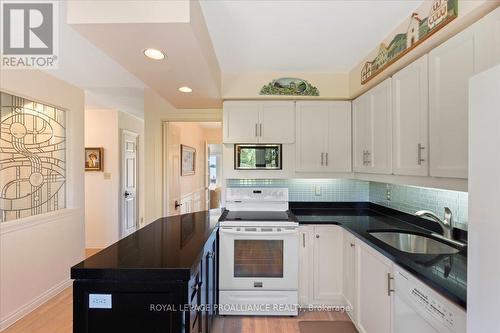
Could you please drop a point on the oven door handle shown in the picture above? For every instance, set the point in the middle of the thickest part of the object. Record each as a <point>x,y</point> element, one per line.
<point>258,233</point>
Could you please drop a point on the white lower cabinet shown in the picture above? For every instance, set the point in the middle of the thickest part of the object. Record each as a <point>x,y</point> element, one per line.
<point>349,272</point>
<point>375,297</point>
<point>320,265</point>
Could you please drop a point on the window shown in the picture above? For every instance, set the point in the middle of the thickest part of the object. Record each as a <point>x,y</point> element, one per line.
<point>32,158</point>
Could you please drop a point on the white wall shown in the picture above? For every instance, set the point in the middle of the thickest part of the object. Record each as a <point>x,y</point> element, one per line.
<point>36,253</point>
<point>483,269</point>
<point>102,196</point>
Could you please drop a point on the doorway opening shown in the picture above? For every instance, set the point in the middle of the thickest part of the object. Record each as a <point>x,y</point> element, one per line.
<point>192,166</point>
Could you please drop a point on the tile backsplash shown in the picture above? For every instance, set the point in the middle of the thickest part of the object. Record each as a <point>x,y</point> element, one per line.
<point>408,199</point>
<point>312,189</point>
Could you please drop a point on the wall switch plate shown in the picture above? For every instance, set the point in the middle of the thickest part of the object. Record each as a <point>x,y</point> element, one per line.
<point>317,190</point>
<point>107,175</point>
<point>388,193</point>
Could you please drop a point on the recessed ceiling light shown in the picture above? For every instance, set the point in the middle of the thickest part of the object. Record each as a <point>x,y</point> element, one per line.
<point>154,54</point>
<point>185,89</point>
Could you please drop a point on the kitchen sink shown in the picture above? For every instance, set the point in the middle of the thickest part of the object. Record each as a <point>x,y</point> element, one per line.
<point>413,243</point>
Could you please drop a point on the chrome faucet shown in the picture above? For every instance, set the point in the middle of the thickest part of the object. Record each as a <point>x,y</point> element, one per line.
<point>446,224</point>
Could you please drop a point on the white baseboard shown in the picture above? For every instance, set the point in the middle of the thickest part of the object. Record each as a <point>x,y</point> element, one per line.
<point>32,305</point>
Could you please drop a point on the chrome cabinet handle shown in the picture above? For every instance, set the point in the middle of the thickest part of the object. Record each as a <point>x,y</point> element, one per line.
<point>322,156</point>
<point>260,126</point>
<point>326,157</point>
<point>419,158</point>
<point>304,241</point>
<point>256,130</point>
<point>389,289</point>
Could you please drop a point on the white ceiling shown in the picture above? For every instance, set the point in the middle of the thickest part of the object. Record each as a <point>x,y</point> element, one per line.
<point>299,36</point>
<point>107,84</point>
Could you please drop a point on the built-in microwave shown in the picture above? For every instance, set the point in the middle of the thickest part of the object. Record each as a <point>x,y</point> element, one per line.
<point>257,156</point>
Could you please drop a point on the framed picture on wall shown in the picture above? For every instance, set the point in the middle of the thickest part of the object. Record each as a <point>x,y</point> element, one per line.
<point>94,159</point>
<point>188,160</point>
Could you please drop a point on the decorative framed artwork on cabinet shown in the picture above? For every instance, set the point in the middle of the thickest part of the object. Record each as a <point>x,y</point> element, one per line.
<point>188,160</point>
<point>94,159</point>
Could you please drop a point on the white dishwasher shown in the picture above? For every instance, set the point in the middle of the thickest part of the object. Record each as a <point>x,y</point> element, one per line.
<point>419,309</point>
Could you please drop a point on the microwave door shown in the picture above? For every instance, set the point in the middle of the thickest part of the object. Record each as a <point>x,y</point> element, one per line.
<point>260,158</point>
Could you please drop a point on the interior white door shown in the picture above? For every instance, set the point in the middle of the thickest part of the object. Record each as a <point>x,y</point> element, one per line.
<point>277,122</point>
<point>172,161</point>
<point>450,66</point>
<point>241,121</point>
<point>410,119</point>
<point>380,149</point>
<point>312,133</point>
<point>374,297</point>
<point>338,153</point>
<point>129,183</point>
<point>327,282</point>
<point>362,132</point>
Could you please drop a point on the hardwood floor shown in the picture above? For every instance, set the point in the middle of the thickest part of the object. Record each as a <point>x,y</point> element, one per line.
<point>271,324</point>
<point>56,316</point>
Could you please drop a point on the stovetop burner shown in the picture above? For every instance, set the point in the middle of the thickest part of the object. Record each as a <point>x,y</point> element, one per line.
<point>258,216</point>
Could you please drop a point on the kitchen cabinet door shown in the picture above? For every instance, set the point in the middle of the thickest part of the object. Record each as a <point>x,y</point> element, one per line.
<point>241,121</point>
<point>338,153</point>
<point>450,66</point>
<point>312,132</point>
<point>374,296</point>
<point>372,137</point>
<point>410,119</point>
<point>362,132</point>
<point>210,270</point>
<point>487,43</point>
<point>327,265</point>
<point>277,122</point>
<point>305,264</point>
<point>380,148</point>
<point>349,272</point>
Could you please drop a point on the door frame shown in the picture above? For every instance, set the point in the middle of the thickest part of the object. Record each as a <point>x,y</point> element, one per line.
<point>137,181</point>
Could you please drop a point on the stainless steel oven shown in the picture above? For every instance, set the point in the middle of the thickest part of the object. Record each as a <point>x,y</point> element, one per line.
<point>258,156</point>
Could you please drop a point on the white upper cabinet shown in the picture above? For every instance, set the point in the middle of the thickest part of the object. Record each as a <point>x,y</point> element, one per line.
<point>259,121</point>
<point>487,53</point>
<point>410,120</point>
<point>277,122</point>
<point>323,141</point>
<point>241,121</point>
<point>450,67</point>
<point>372,125</point>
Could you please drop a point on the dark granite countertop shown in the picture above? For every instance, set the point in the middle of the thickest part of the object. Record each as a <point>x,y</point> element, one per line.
<point>168,248</point>
<point>447,274</point>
